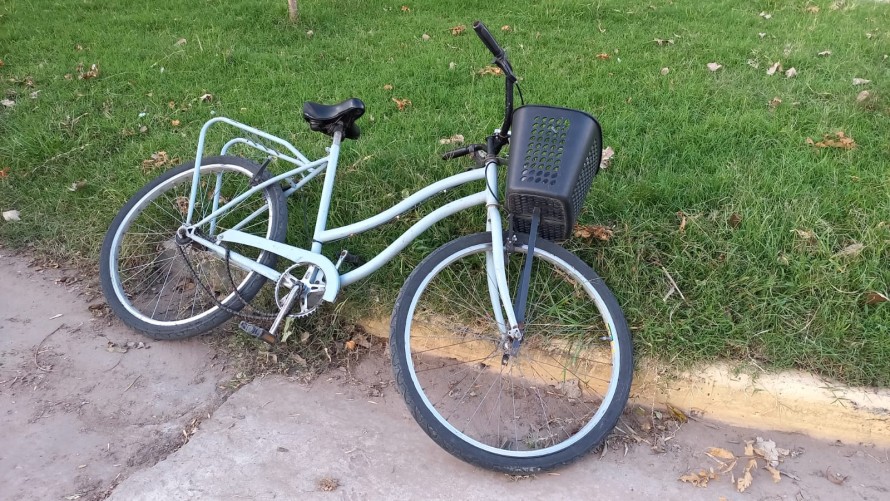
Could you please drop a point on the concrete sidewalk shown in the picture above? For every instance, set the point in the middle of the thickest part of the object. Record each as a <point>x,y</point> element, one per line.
<point>278,439</point>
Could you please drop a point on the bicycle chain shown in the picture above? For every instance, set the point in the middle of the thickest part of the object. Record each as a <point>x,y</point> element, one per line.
<point>261,314</point>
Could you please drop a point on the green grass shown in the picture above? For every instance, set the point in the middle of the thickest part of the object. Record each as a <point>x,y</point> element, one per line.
<point>704,143</point>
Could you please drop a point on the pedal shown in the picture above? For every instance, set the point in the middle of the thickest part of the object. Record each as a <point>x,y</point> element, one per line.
<point>257,332</point>
<point>346,257</point>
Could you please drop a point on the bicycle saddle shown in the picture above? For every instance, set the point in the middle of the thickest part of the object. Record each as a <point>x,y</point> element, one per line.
<point>328,118</point>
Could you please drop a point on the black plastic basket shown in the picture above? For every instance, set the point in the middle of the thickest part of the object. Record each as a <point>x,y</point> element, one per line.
<point>554,155</point>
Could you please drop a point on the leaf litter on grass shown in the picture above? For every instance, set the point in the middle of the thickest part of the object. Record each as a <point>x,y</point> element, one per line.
<point>158,160</point>
<point>838,140</point>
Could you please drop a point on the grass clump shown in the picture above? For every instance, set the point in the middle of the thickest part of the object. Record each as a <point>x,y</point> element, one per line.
<point>767,216</point>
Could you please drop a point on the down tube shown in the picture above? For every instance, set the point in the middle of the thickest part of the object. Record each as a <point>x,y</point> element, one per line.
<point>413,232</point>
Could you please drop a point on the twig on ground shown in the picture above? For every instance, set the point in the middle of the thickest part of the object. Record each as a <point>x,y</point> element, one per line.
<point>39,345</point>
<point>131,384</point>
<point>673,285</point>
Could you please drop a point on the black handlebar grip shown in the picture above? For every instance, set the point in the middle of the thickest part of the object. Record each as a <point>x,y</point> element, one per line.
<point>448,155</point>
<point>466,150</point>
<point>488,40</point>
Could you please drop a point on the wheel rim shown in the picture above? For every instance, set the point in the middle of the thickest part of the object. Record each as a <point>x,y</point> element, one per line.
<point>558,427</point>
<point>163,261</point>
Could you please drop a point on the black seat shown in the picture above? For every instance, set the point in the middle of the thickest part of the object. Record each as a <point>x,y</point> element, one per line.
<point>329,118</point>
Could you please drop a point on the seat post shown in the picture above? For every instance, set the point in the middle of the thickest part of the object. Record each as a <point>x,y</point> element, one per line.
<point>327,191</point>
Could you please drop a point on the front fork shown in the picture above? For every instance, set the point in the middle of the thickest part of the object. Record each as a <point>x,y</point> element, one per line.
<point>509,325</point>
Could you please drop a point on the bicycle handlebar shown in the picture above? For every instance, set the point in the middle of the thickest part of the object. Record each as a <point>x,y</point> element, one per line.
<point>488,40</point>
<point>500,139</point>
<point>466,150</point>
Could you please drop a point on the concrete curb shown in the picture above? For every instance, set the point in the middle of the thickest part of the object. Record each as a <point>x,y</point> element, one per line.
<point>789,401</point>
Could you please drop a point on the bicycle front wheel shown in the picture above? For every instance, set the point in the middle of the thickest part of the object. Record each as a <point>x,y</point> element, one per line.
<point>547,405</point>
<point>172,291</point>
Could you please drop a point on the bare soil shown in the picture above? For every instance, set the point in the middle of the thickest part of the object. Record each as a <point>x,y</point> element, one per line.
<point>88,412</point>
<point>80,410</point>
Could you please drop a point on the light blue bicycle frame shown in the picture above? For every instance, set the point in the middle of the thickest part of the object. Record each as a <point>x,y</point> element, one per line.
<point>308,170</point>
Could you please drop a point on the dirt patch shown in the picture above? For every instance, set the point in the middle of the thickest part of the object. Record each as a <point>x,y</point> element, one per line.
<point>82,401</point>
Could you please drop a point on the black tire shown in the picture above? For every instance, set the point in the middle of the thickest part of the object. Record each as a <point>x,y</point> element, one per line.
<point>434,313</point>
<point>149,281</point>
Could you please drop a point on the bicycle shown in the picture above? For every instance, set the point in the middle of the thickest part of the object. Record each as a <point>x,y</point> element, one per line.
<point>510,351</point>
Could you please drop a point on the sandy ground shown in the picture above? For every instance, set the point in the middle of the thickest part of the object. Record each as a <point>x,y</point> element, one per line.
<point>83,421</point>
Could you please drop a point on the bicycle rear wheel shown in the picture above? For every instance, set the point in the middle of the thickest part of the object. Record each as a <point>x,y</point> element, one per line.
<point>546,406</point>
<point>168,291</point>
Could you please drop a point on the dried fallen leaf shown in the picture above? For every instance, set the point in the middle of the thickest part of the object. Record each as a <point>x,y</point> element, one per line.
<point>350,345</point>
<point>824,53</point>
<point>77,185</point>
<point>777,475</point>
<point>405,8</point>
<point>699,478</point>
<point>863,97</point>
<point>206,98</point>
<point>387,87</point>
<point>714,66</point>
<point>158,160</point>
<point>808,236</point>
<point>677,414</point>
<point>767,450</point>
<point>662,42</point>
<point>175,123</point>
<point>860,81</point>
<point>870,298</point>
<point>458,30</point>
<point>93,72</point>
<point>455,139</point>
<point>851,250</point>
<point>599,232</point>
<point>425,37</point>
<point>682,216</point>
<point>490,70</point>
<point>665,71</point>
<point>813,9</point>
<point>774,68</point>
<point>4,173</point>
<point>766,15</point>
<point>749,447</point>
<point>310,34</point>
<point>182,204</point>
<point>791,73</point>
<point>8,103</point>
<point>840,140</point>
<point>402,103</point>
<point>744,481</point>
<point>12,215</point>
<point>506,27</point>
<point>774,103</point>
<point>717,452</point>
<point>2,64</point>
<point>328,484</point>
<point>113,347</point>
<point>606,158</point>
<point>735,219</point>
<point>180,42</point>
